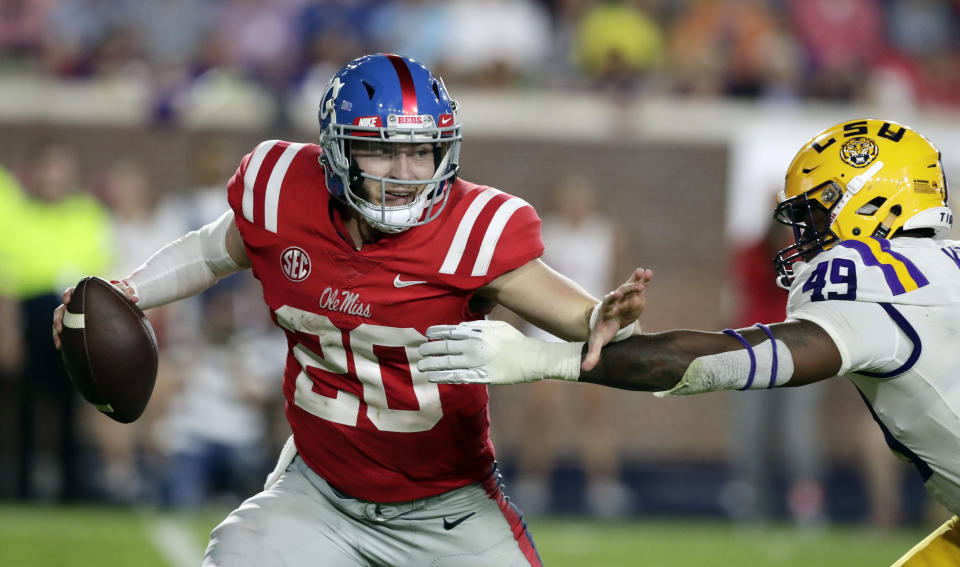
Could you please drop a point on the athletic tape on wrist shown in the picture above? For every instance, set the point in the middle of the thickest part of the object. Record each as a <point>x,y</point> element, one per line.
<point>623,333</point>
<point>774,366</point>
<point>753,357</point>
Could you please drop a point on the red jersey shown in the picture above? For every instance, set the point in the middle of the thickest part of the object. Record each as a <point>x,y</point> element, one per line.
<point>363,417</point>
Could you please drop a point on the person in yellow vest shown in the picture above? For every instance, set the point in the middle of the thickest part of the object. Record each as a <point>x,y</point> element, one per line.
<point>53,234</point>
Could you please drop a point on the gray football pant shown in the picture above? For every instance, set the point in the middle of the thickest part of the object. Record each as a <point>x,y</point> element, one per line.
<point>301,521</point>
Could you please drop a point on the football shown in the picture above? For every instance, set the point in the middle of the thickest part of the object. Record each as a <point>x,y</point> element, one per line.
<point>109,350</point>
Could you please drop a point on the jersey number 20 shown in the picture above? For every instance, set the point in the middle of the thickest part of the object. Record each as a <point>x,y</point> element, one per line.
<point>344,408</point>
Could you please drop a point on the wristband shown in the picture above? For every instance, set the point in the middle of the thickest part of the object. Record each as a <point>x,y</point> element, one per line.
<point>624,332</point>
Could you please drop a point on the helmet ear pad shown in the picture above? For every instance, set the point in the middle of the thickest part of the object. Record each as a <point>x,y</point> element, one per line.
<point>356,179</point>
<point>354,173</point>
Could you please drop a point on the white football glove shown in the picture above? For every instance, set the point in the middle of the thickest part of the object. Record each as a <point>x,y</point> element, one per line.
<point>493,352</point>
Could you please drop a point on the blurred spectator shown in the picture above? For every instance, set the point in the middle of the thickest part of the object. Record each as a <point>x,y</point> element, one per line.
<point>882,472</point>
<point>332,32</point>
<point>258,38</point>
<point>917,28</point>
<point>390,26</point>
<point>170,31</point>
<point>214,429</point>
<point>618,45</point>
<point>22,27</point>
<point>11,341</point>
<point>771,427</point>
<point>75,30</point>
<point>841,39</point>
<point>138,230</point>
<point>60,234</point>
<point>584,245</point>
<point>495,43</point>
<point>727,47</point>
<point>211,164</point>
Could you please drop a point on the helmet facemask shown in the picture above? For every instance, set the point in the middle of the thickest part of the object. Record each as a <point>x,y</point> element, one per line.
<point>809,218</point>
<point>339,141</point>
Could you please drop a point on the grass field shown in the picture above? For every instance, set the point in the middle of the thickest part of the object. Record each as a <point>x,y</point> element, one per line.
<point>87,537</point>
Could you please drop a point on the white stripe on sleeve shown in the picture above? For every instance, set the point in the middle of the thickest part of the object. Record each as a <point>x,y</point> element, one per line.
<point>250,176</point>
<point>492,236</point>
<point>459,244</point>
<point>271,200</point>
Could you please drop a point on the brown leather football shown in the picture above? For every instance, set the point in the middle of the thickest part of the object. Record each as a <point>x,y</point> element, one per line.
<point>109,349</point>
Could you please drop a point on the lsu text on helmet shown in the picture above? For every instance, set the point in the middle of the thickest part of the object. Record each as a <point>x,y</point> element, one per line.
<point>388,100</point>
<point>858,179</point>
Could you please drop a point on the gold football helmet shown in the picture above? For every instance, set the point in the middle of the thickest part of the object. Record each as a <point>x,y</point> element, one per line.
<point>858,179</point>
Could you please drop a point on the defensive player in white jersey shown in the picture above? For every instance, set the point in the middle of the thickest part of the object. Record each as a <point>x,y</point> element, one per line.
<point>361,243</point>
<point>874,295</point>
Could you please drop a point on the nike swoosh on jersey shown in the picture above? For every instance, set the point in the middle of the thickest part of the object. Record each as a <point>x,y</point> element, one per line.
<point>397,282</point>
<point>448,525</point>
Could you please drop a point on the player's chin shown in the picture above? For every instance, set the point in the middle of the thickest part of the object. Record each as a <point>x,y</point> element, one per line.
<point>808,254</point>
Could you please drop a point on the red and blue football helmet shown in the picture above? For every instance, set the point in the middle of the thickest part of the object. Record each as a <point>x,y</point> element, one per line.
<point>391,99</point>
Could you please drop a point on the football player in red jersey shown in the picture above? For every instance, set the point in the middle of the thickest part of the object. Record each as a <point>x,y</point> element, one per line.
<point>361,243</point>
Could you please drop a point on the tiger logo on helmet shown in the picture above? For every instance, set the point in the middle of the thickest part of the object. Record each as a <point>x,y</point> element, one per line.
<point>885,179</point>
<point>859,151</point>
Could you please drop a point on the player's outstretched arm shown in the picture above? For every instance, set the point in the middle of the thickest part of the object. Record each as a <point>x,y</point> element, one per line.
<point>675,362</point>
<point>183,268</point>
<point>792,353</point>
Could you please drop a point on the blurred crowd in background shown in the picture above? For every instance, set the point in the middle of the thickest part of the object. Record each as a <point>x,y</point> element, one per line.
<point>776,50</point>
<point>213,422</point>
<point>216,421</point>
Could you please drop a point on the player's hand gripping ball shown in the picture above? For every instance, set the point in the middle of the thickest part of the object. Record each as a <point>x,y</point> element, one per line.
<point>109,349</point>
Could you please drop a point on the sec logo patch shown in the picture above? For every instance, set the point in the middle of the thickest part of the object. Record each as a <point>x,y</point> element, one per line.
<point>295,264</point>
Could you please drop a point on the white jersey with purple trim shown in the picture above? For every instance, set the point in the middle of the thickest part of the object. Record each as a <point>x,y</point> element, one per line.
<point>893,309</point>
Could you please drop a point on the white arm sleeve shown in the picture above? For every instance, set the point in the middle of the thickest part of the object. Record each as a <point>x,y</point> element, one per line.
<point>865,335</point>
<point>186,266</point>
